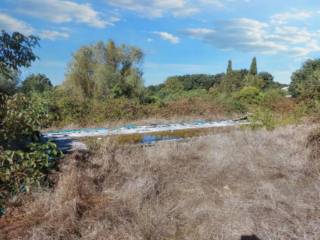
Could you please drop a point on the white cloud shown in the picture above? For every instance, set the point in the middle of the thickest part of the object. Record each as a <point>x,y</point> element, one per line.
<point>282,18</point>
<point>168,37</point>
<point>53,35</point>
<point>249,35</point>
<point>177,8</point>
<point>216,3</point>
<point>159,8</point>
<point>188,11</point>
<point>12,24</point>
<point>62,11</point>
<point>156,8</point>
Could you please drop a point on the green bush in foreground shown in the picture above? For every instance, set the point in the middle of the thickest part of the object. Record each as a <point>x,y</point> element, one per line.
<point>25,159</point>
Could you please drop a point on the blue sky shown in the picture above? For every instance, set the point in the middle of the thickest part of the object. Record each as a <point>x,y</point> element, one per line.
<point>177,36</point>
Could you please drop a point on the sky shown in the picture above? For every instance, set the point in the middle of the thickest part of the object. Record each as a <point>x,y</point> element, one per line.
<point>177,36</point>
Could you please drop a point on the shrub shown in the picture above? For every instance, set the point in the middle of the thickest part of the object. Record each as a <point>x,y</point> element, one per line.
<point>249,95</point>
<point>24,158</point>
<point>263,118</point>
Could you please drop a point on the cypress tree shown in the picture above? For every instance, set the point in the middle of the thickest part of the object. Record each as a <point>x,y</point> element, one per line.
<point>229,69</point>
<point>253,67</point>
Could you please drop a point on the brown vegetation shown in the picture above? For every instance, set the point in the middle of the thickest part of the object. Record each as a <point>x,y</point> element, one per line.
<point>216,187</point>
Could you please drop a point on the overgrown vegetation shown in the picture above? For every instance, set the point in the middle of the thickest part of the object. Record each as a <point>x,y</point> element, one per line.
<point>104,82</point>
<point>216,187</point>
<point>173,191</point>
<point>25,158</point>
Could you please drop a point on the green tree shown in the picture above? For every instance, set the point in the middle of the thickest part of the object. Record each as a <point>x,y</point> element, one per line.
<point>253,67</point>
<point>255,81</point>
<point>37,83</point>
<point>305,82</point>
<point>233,80</point>
<point>80,75</point>
<point>229,68</point>
<point>104,71</point>
<point>24,157</point>
<point>268,80</point>
<point>8,84</point>
<point>16,51</point>
<point>194,81</point>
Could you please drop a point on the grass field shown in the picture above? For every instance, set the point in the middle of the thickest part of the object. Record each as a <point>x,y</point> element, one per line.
<point>222,186</point>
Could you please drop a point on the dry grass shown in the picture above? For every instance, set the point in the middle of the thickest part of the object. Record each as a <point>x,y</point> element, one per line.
<point>216,187</point>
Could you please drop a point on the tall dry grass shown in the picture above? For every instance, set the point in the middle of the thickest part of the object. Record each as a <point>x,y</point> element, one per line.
<point>216,187</point>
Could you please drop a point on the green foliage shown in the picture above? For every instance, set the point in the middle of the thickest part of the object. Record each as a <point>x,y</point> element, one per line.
<point>263,118</point>
<point>22,121</point>
<point>8,82</point>
<point>271,97</point>
<point>16,51</point>
<point>233,81</point>
<point>249,95</point>
<point>229,68</point>
<point>305,82</point>
<point>229,102</point>
<point>255,81</point>
<point>105,71</point>
<point>268,81</point>
<point>36,83</point>
<point>24,158</point>
<point>192,82</point>
<point>19,170</point>
<point>253,67</point>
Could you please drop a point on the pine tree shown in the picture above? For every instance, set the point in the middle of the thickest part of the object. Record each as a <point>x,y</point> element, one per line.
<point>229,69</point>
<point>253,67</point>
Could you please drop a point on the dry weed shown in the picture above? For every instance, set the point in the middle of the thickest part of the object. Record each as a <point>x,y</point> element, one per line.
<point>216,187</point>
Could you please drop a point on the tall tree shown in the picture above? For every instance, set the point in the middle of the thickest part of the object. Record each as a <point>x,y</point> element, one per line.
<point>105,70</point>
<point>305,82</point>
<point>16,51</point>
<point>253,67</point>
<point>38,83</point>
<point>229,68</point>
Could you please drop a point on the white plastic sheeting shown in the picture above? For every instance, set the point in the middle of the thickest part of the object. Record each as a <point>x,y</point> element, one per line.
<point>133,129</point>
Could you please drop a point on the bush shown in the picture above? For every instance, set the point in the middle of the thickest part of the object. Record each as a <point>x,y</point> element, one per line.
<point>229,103</point>
<point>263,118</point>
<point>24,158</point>
<point>249,95</point>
